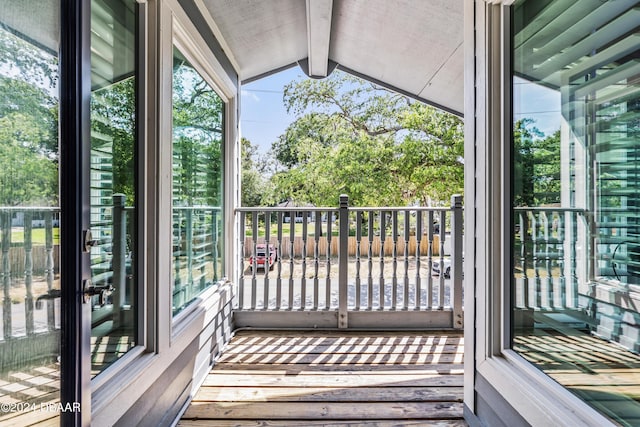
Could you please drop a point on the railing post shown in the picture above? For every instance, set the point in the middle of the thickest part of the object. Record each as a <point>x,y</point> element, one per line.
<point>343,261</point>
<point>119,242</point>
<point>456,259</point>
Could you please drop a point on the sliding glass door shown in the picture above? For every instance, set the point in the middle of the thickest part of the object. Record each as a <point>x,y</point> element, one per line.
<point>576,200</point>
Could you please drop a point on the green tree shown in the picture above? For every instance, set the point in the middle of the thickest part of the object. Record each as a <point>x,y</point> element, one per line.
<point>536,163</point>
<point>113,110</point>
<point>197,137</point>
<point>28,124</point>
<point>377,146</point>
<point>253,182</point>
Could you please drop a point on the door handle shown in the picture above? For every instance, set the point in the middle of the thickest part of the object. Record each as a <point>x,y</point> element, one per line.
<point>51,294</point>
<point>90,290</point>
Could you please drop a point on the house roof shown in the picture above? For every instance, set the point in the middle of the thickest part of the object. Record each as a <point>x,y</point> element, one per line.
<point>412,46</point>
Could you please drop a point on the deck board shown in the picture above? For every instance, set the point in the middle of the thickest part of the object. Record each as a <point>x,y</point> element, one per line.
<point>353,379</point>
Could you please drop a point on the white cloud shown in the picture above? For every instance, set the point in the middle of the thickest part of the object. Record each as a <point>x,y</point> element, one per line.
<point>250,95</point>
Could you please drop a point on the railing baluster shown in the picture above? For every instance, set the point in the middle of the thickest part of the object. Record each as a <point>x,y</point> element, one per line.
<point>547,259</point>
<point>279,249</point>
<point>28,270</point>
<point>267,260</point>
<point>119,242</point>
<point>430,283</point>
<point>214,245</point>
<point>383,227</point>
<point>303,279</point>
<point>328,279</point>
<point>394,260</point>
<point>292,236</point>
<point>574,261</point>
<point>178,292</point>
<point>316,259</point>
<point>443,228</point>
<point>358,241</point>
<point>241,264</point>
<point>524,230</point>
<point>405,298</point>
<point>456,260</point>
<point>562,282</point>
<point>418,303</point>
<point>370,261</point>
<point>254,261</point>
<point>49,267</point>
<point>189,287</point>
<point>5,223</point>
<point>536,251</point>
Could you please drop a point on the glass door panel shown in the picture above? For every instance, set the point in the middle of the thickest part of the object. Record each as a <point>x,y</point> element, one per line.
<point>197,183</point>
<point>576,205</point>
<point>113,180</point>
<point>29,213</point>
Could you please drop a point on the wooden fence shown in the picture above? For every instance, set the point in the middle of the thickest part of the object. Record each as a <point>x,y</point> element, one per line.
<point>299,245</point>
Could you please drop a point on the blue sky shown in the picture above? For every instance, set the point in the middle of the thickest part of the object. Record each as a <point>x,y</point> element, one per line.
<point>535,101</point>
<point>263,116</point>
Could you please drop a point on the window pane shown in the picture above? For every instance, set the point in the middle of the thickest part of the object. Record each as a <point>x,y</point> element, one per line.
<point>29,214</point>
<point>197,183</point>
<point>113,185</point>
<point>576,205</point>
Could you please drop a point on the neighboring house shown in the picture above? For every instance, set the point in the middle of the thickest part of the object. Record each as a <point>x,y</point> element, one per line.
<point>299,216</point>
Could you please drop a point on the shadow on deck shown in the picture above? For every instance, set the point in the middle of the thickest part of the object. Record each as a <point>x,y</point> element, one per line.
<point>280,378</point>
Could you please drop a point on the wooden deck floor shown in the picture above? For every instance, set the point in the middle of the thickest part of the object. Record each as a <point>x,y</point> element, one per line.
<point>603,374</point>
<point>338,379</point>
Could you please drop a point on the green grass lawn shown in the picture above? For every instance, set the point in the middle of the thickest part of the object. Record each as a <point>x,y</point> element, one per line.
<point>37,235</point>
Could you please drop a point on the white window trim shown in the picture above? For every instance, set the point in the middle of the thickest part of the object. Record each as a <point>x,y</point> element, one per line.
<point>187,39</point>
<point>533,394</point>
<point>137,371</point>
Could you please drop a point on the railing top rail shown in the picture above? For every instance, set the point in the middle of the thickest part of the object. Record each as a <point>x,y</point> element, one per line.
<point>547,209</point>
<point>29,208</point>
<point>282,209</point>
<point>196,208</point>
<point>335,209</point>
<point>400,208</point>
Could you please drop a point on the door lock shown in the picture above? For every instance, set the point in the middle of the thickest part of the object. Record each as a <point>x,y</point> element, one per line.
<point>89,290</point>
<point>87,241</point>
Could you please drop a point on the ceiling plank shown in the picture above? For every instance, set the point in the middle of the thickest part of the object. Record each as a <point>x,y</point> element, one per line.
<point>319,35</point>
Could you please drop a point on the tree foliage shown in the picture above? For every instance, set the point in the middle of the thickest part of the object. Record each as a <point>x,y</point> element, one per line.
<point>253,181</point>
<point>377,146</point>
<point>113,113</point>
<point>536,163</point>
<point>197,138</point>
<point>28,124</point>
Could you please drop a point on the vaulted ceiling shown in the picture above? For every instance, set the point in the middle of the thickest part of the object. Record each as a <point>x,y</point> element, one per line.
<point>413,46</point>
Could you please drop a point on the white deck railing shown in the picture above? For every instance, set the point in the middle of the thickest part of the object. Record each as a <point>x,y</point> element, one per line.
<point>350,259</point>
<point>29,277</point>
<point>545,261</point>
